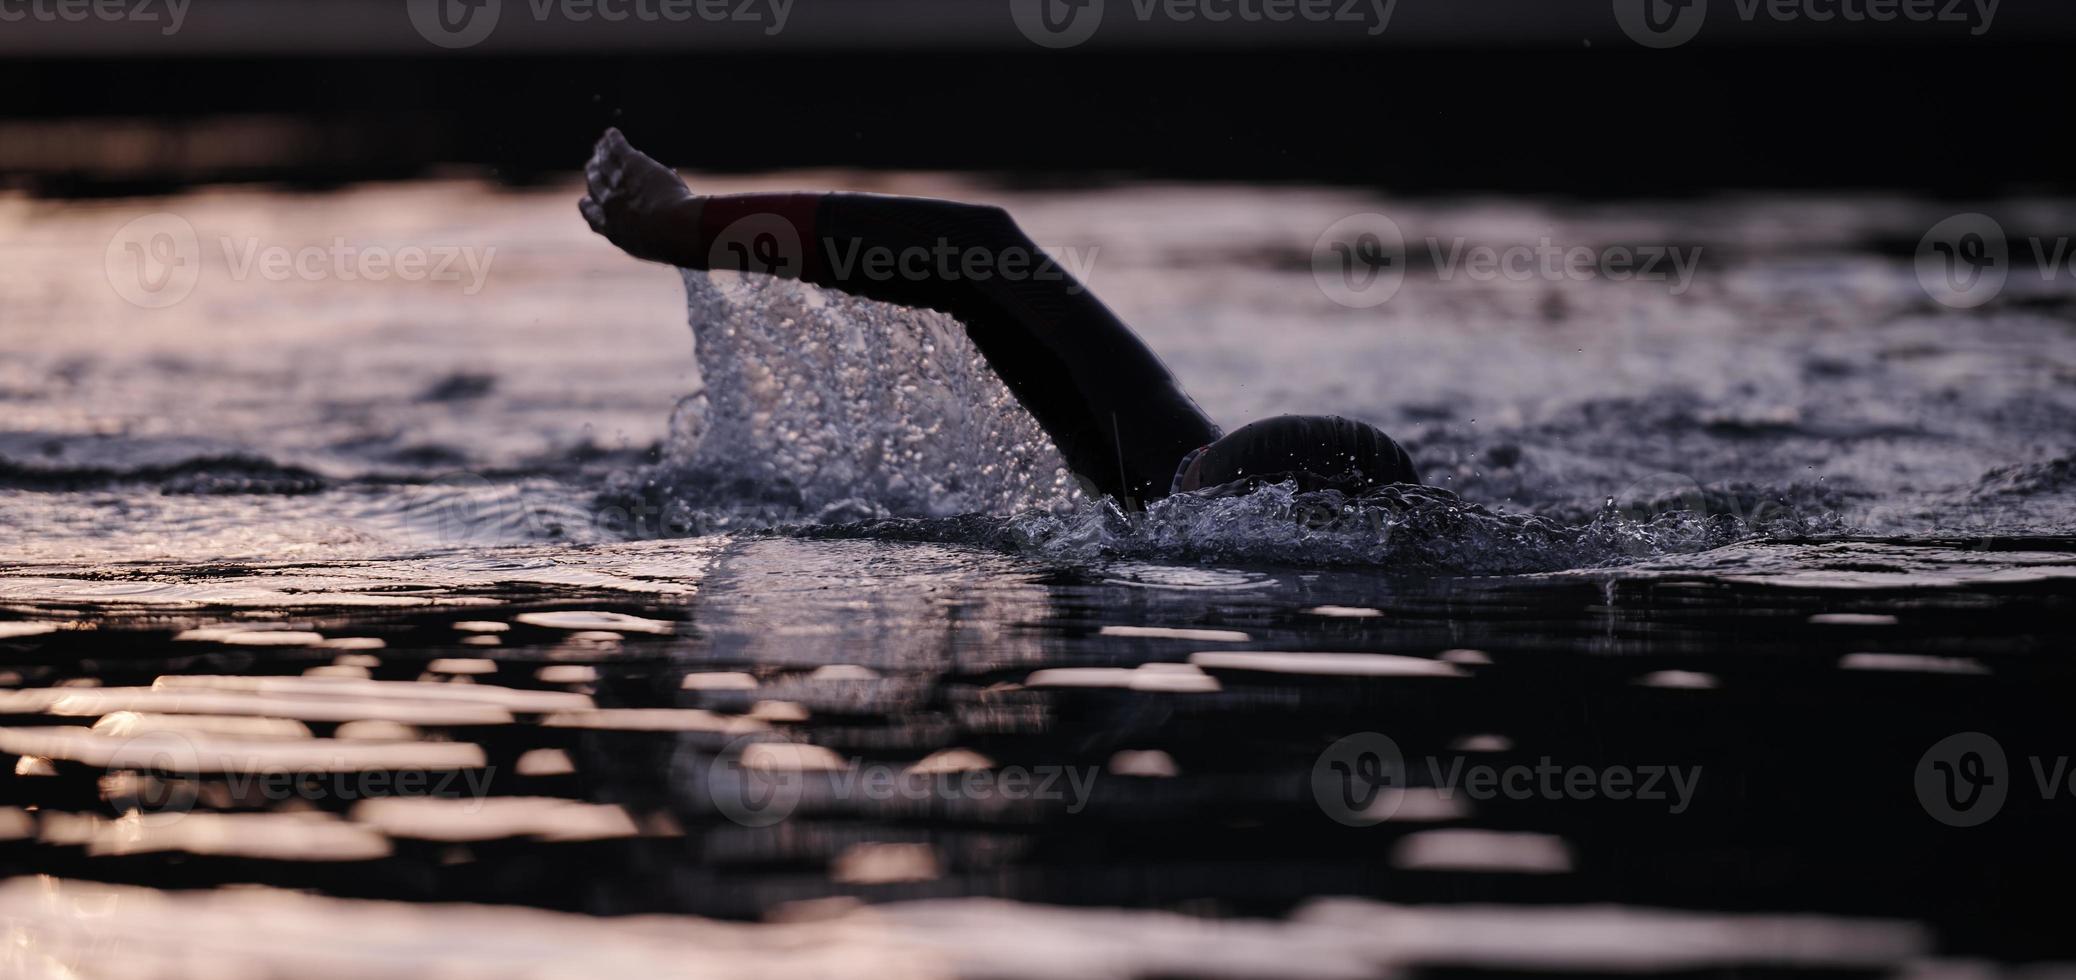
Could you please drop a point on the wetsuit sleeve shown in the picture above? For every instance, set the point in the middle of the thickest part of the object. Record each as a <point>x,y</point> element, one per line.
<point>1109,404</point>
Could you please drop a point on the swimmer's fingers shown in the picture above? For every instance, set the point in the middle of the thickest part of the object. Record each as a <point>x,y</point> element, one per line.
<point>604,169</point>
<point>625,167</point>
<point>615,144</point>
<point>623,159</point>
<point>617,158</point>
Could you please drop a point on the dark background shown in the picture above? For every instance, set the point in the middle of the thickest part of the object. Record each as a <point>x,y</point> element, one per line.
<point>1456,95</point>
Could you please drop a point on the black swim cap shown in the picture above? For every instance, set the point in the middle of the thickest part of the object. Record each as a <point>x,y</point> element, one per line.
<point>1318,452</point>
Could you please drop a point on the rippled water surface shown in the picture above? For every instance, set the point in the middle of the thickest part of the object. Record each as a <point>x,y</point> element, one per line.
<point>526,631</point>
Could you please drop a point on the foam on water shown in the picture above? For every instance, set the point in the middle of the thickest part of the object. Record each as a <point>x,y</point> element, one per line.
<point>1416,529</point>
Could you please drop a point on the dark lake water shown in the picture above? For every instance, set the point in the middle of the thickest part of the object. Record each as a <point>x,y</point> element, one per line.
<point>490,626</point>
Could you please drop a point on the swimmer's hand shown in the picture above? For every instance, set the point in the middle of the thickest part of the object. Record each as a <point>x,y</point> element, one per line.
<point>639,204</point>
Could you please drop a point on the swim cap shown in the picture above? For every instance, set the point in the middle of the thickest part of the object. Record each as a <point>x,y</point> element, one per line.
<point>1318,452</point>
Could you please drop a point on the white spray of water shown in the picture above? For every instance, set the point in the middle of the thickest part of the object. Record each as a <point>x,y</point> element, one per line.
<point>856,406</point>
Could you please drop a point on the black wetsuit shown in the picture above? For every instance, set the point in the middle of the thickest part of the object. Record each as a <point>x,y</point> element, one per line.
<point>1108,403</point>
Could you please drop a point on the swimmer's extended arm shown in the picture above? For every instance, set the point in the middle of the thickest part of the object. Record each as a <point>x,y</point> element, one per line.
<point>1112,407</point>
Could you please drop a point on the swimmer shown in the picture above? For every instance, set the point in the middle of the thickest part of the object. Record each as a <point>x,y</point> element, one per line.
<point>1118,416</point>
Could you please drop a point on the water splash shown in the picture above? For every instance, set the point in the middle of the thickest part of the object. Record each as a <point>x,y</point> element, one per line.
<point>847,407</point>
<point>823,415</point>
<point>1425,529</point>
